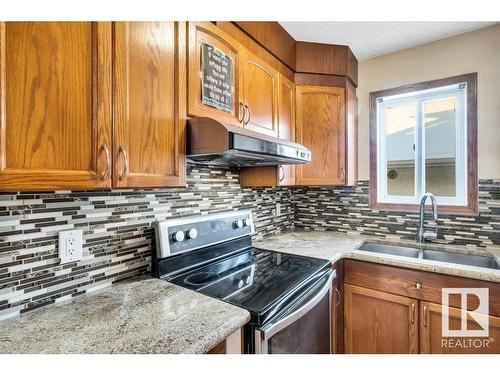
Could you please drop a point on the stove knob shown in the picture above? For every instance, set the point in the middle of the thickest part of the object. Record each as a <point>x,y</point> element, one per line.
<point>238,283</point>
<point>247,222</point>
<point>178,236</point>
<point>238,224</point>
<point>249,280</point>
<point>192,233</point>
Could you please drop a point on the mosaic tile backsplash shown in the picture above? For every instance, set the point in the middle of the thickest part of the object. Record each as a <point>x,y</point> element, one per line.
<point>116,231</point>
<point>118,239</point>
<point>346,209</point>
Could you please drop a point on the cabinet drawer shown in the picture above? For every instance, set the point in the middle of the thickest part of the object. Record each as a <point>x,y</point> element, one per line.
<point>420,285</point>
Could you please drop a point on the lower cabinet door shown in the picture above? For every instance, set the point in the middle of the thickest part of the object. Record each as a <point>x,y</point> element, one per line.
<point>432,340</point>
<point>379,322</point>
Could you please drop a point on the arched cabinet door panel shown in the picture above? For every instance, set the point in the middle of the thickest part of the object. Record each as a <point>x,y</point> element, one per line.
<point>260,92</point>
<point>207,34</point>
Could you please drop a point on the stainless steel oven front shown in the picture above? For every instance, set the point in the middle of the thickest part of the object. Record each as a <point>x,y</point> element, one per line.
<point>304,327</point>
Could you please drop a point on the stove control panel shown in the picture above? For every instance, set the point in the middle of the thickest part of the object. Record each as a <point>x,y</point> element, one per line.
<point>180,235</point>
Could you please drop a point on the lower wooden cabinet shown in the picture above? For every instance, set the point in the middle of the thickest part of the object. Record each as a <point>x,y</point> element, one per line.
<point>397,310</point>
<point>233,344</point>
<point>433,342</point>
<point>379,322</point>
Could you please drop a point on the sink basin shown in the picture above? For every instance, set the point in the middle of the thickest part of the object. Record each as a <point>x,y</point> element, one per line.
<point>468,260</point>
<point>401,251</point>
<point>428,254</point>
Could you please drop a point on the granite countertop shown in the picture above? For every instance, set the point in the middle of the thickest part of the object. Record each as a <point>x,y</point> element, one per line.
<point>334,246</point>
<point>142,315</point>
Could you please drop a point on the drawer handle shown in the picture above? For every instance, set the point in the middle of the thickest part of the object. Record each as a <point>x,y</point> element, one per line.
<point>413,313</point>
<point>418,285</point>
<point>342,174</point>
<point>105,174</point>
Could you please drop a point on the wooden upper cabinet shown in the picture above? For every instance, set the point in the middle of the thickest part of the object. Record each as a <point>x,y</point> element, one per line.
<point>286,124</point>
<point>260,93</point>
<point>320,126</point>
<point>149,111</point>
<point>206,32</point>
<point>379,322</point>
<point>55,114</point>
<point>283,175</point>
<point>433,342</point>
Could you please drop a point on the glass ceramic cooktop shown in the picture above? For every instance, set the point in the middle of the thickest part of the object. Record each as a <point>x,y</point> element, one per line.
<point>255,280</point>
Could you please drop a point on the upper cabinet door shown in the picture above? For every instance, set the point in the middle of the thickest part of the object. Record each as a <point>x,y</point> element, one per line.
<point>260,92</point>
<point>149,117</point>
<point>213,72</point>
<point>320,126</point>
<point>55,105</point>
<point>286,124</point>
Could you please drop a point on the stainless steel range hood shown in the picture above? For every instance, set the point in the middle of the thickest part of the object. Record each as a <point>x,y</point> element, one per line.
<point>212,142</point>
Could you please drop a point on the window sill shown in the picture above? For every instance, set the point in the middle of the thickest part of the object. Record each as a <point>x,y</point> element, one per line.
<point>471,209</point>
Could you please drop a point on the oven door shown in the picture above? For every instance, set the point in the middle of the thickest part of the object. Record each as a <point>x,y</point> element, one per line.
<point>304,327</point>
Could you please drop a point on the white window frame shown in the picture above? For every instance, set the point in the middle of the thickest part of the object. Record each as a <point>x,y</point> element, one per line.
<point>458,91</point>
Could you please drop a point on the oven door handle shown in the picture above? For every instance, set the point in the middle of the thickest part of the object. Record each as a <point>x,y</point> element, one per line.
<point>269,331</point>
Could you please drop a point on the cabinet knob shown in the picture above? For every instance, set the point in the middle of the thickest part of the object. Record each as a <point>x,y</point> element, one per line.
<point>418,285</point>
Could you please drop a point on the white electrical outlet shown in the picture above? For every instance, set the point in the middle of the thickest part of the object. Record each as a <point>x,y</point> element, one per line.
<point>70,245</point>
<point>278,209</point>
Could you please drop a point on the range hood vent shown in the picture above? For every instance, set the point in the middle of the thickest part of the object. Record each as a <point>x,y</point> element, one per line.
<point>214,143</point>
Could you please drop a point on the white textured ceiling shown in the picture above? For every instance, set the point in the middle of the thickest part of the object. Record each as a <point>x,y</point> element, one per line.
<point>371,39</point>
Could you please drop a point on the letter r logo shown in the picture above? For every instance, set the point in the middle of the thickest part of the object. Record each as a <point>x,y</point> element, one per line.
<point>479,315</point>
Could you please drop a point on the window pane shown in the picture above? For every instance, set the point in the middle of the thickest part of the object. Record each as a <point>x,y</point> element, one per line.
<point>400,123</point>
<point>439,118</point>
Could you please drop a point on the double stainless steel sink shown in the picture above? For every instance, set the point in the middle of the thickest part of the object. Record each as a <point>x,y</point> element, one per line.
<point>430,254</point>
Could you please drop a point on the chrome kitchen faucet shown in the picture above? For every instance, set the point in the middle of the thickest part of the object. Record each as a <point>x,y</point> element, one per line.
<point>422,236</point>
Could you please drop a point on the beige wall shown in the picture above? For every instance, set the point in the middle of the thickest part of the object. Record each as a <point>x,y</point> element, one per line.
<point>477,51</point>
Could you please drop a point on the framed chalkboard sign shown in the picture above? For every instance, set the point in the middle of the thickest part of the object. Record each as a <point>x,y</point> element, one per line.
<point>216,78</point>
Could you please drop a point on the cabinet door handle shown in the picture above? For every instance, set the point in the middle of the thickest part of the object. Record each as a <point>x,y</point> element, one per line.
<point>413,313</point>
<point>249,115</point>
<point>282,173</point>
<point>425,315</point>
<point>243,112</point>
<point>338,297</point>
<point>123,152</point>
<point>342,174</point>
<point>105,174</point>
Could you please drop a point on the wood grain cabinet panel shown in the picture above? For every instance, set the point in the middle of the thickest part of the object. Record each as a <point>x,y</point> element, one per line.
<point>283,175</point>
<point>379,322</point>
<point>206,32</point>
<point>433,342</point>
<point>286,124</point>
<point>320,126</point>
<point>260,93</point>
<point>149,109</point>
<point>55,97</point>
